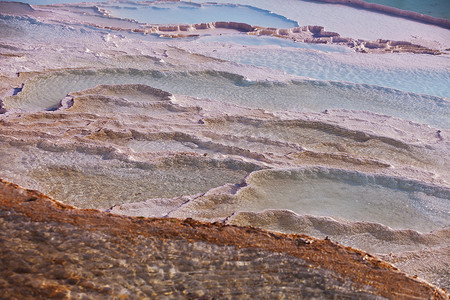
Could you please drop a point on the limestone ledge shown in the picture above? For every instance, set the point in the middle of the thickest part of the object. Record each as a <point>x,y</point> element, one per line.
<point>307,34</point>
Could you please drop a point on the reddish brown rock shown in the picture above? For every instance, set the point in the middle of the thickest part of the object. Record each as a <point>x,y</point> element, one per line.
<point>234,25</point>
<point>202,26</point>
<point>168,28</point>
<point>324,33</point>
<point>50,250</point>
<point>283,31</point>
<point>315,29</point>
<point>338,39</point>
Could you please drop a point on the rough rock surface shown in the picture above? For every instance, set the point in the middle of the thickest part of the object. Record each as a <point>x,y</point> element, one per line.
<point>52,250</point>
<point>305,34</point>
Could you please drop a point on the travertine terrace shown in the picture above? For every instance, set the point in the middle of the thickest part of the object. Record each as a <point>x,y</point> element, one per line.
<point>225,158</point>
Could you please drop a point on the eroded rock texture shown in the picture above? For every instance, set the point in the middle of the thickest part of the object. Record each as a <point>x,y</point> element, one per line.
<point>51,250</point>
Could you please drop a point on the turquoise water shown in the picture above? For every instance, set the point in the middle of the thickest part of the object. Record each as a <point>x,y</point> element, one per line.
<point>322,66</point>
<point>249,40</point>
<point>435,8</point>
<point>188,13</point>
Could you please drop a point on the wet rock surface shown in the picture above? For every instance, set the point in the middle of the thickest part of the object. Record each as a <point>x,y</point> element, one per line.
<point>51,250</point>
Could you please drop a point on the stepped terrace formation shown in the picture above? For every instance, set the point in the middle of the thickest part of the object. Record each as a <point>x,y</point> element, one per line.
<point>225,150</point>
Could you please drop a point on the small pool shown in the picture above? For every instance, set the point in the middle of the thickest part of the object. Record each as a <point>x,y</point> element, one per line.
<point>252,40</point>
<point>189,13</point>
<point>353,196</point>
<point>45,92</point>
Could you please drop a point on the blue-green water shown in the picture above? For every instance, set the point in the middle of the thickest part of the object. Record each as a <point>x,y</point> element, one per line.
<point>435,8</point>
<point>188,13</point>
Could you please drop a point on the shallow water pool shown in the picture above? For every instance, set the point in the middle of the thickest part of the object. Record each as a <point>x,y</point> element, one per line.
<point>325,66</point>
<point>394,202</point>
<point>188,13</point>
<point>46,91</point>
<point>248,40</point>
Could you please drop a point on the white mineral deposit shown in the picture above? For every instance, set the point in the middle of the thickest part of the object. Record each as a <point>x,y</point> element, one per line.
<point>295,116</point>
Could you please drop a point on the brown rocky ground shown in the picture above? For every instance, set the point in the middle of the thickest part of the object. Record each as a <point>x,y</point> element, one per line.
<point>52,250</point>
